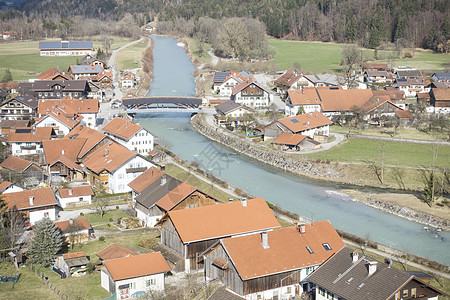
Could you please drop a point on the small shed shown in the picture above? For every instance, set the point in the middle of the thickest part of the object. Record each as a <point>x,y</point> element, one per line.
<point>71,264</point>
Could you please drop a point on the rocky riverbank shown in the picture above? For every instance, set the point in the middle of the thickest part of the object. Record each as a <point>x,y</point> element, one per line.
<point>318,170</point>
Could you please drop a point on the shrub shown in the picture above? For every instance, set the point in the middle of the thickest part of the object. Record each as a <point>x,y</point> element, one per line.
<point>101,239</point>
<point>149,243</point>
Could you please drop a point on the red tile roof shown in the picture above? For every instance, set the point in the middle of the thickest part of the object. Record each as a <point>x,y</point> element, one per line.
<point>288,78</point>
<point>221,220</point>
<point>53,149</point>
<point>115,251</point>
<point>145,179</point>
<point>122,128</point>
<point>394,95</point>
<point>83,106</point>
<point>175,196</point>
<point>49,74</point>
<point>289,139</point>
<point>244,84</point>
<point>441,94</point>
<point>76,191</point>
<point>305,96</point>
<point>4,185</point>
<point>375,102</point>
<point>74,254</point>
<point>15,164</point>
<point>62,117</point>
<point>93,137</point>
<point>108,157</point>
<point>34,135</point>
<point>21,200</point>
<point>343,100</point>
<point>404,114</point>
<point>81,223</point>
<point>136,266</point>
<point>304,122</point>
<point>287,250</point>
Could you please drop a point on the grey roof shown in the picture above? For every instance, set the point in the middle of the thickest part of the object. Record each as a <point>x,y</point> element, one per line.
<point>442,75</point>
<point>227,106</point>
<point>86,69</point>
<point>77,261</point>
<point>220,76</point>
<point>14,123</point>
<point>377,73</point>
<point>67,85</point>
<point>25,100</point>
<point>410,73</point>
<point>61,45</point>
<point>350,280</point>
<point>151,100</point>
<point>329,79</point>
<point>223,294</point>
<point>155,191</point>
<point>441,85</point>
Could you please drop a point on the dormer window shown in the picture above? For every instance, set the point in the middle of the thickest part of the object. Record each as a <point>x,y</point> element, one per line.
<point>327,246</point>
<point>309,250</point>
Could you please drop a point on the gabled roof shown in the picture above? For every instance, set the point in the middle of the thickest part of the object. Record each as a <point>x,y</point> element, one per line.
<point>442,76</point>
<point>305,96</point>
<point>376,73</point>
<point>288,78</point>
<point>83,106</point>
<point>67,162</point>
<point>122,128</point>
<point>110,157</point>
<point>329,79</point>
<point>223,294</point>
<point>85,69</point>
<point>350,280</point>
<point>424,95</point>
<point>136,266</point>
<point>26,100</point>
<point>175,196</point>
<point>219,77</point>
<point>343,100</point>
<point>114,251</point>
<point>15,163</point>
<point>59,115</point>
<point>53,149</point>
<point>67,85</point>
<point>246,83</point>
<point>304,122</point>
<point>441,94</point>
<point>412,81</point>
<point>4,185</point>
<point>144,180</point>
<point>14,123</point>
<point>156,191</point>
<point>403,114</point>
<point>78,191</point>
<point>93,137</point>
<point>289,139</point>
<point>409,73</point>
<point>441,84</point>
<point>81,223</point>
<point>287,250</point>
<point>221,220</point>
<point>49,74</point>
<point>229,106</point>
<point>375,102</point>
<point>29,134</point>
<point>394,95</point>
<point>76,254</point>
<point>66,45</point>
<point>21,200</point>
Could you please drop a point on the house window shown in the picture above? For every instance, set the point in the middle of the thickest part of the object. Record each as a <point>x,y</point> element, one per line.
<point>397,296</point>
<point>80,199</point>
<point>309,250</point>
<point>405,293</point>
<point>326,246</point>
<point>46,214</point>
<point>413,293</point>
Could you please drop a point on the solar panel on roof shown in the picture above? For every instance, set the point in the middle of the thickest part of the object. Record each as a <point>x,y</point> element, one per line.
<point>23,130</point>
<point>294,120</point>
<point>333,88</point>
<point>65,45</point>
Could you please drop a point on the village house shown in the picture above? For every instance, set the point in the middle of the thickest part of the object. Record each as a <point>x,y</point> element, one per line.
<point>8,187</point>
<point>441,76</point>
<point>34,204</point>
<point>19,108</point>
<point>375,76</point>
<point>53,74</point>
<point>84,71</point>
<point>350,275</point>
<point>71,264</point>
<point>306,100</point>
<point>10,125</point>
<point>273,264</point>
<point>295,142</point>
<point>57,89</point>
<point>225,87</point>
<point>408,74</point>
<point>66,48</point>
<point>413,86</point>
<point>134,276</point>
<point>159,193</point>
<point>251,94</point>
<point>375,66</point>
<point>313,125</point>
<point>10,86</point>
<point>404,116</point>
<point>127,80</point>
<point>10,35</point>
<point>104,79</point>
<point>130,135</point>
<point>13,166</point>
<point>189,232</point>
<point>61,122</point>
<point>424,98</point>
<point>378,109</point>
<point>75,231</point>
<point>291,81</point>
<point>114,251</point>
<point>113,167</point>
<point>231,110</point>
<point>93,61</point>
<point>396,97</point>
<point>325,80</point>
<point>28,140</point>
<point>74,196</point>
<point>440,100</point>
<point>86,108</point>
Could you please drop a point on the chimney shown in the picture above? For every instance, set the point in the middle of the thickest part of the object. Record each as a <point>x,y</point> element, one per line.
<point>70,192</point>
<point>244,202</point>
<point>302,228</point>
<point>105,152</point>
<point>163,179</point>
<point>355,255</point>
<point>230,200</point>
<point>71,221</point>
<point>163,168</point>
<point>265,240</point>
<point>372,267</point>
<point>303,91</point>
<point>81,126</point>
<point>62,152</point>
<point>31,198</point>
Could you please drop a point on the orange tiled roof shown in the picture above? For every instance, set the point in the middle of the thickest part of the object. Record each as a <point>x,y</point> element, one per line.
<point>69,121</point>
<point>68,163</point>
<point>15,164</point>
<point>304,122</point>
<point>243,85</point>
<point>108,157</point>
<point>76,191</point>
<point>176,195</point>
<point>115,251</point>
<point>343,100</point>
<point>136,266</point>
<point>72,106</point>
<point>82,224</point>
<point>53,149</point>
<point>375,102</point>
<point>221,220</point>
<point>441,94</point>
<point>305,96</point>
<point>34,135</point>
<point>4,184</point>
<point>404,114</point>
<point>74,254</point>
<point>395,95</point>
<point>145,179</point>
<point>289,139</point>
<point>49,74</point>
<point>122,128</point>
<point>288,78</point>
<point>287,250</point>
<point>93,137</point>
<point>21,200</point>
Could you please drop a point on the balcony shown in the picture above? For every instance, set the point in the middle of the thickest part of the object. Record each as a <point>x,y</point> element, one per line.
<point>32,147</point>
<point>136,170</point>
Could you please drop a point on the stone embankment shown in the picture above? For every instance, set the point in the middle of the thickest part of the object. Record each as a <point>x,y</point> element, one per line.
<point>297,165</point>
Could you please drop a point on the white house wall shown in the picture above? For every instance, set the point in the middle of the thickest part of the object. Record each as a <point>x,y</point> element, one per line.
<point>64,201</point>
<point>89,120</point>
<point>36,216</point>
<point>16,150</point>
<point>12,189</point>
<point>49,121</point>
<point>119,180</point>
<point>140,284</point>
<point>253,101</point>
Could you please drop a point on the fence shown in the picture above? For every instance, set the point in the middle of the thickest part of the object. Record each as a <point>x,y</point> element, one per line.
<point>53,288</point>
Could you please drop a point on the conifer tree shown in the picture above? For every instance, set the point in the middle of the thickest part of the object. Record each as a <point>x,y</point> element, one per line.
<point>45,244</point>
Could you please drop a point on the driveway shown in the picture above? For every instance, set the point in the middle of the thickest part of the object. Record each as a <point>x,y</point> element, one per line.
<point>73,214</point>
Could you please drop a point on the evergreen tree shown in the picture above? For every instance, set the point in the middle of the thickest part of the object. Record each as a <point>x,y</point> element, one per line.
<point>45,244</point>
<point>352,28</point>
<point>8,76</point>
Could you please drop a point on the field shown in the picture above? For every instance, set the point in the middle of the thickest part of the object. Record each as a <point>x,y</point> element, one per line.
<point>321,57</point>
<point>24,61</point>
<point>130,57</point>
<point>193,47</point>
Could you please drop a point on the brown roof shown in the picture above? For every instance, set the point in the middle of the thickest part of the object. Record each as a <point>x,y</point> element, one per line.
<point>53,149</point>
<point>69,121</point>
<point>21,200</point>
<point>122,128</point>
<point>115,251</point>
<point>375,102</point>
<point>81,223</point>
<point>343,100</point>
<point>15,164</point>
<point>289,139</point>
<point>287,249</point>
<point>394,95</point>
<point>304,122</point>
<point>76,191</point>
<point>4,184</point>
<point>305,96</point>
<point>175,196</point>
<point>74,254</point>
<point>29,134</point>
<point>93,137</point>
<point>441,94</point>
<point>71,164</point>
<point>413,81</point>
<point>136,266</point>
<point>14,123</point>
<point>288,78</point>
<point>110,157</point>
<point>145,179</point>
<point>49,74</point>
<point>404,114</point>
<point>222,220</point>
<point>83,106</point>
<point>379,66</point>
<point>244,84</point>
<point>223,294</point>
<point>425,95</point>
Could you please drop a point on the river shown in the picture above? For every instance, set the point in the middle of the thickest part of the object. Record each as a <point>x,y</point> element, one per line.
<point>310,198</point>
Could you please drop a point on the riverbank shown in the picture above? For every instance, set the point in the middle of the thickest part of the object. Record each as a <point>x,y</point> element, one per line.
<point>147,69</point>
<point>334,172</point>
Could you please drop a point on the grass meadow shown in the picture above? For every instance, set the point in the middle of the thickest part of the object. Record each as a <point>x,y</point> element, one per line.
<point>130,57</point>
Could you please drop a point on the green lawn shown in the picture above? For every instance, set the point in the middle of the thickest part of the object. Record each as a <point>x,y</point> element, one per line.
<point>95,218</point>
<point>193,47</point>
<point>396,153</point>
<point>130,57</point>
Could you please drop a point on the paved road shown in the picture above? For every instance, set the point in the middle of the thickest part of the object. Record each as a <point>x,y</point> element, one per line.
<point>398,140</point>
<point>72,214</point>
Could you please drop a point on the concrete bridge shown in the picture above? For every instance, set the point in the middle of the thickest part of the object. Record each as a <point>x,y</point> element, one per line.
<point>162,104</point>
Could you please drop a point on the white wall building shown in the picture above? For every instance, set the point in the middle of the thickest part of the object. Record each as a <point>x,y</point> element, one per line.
<point>78,194</point>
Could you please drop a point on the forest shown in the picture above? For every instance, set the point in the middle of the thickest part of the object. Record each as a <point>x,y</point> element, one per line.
<point>370,23</point>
